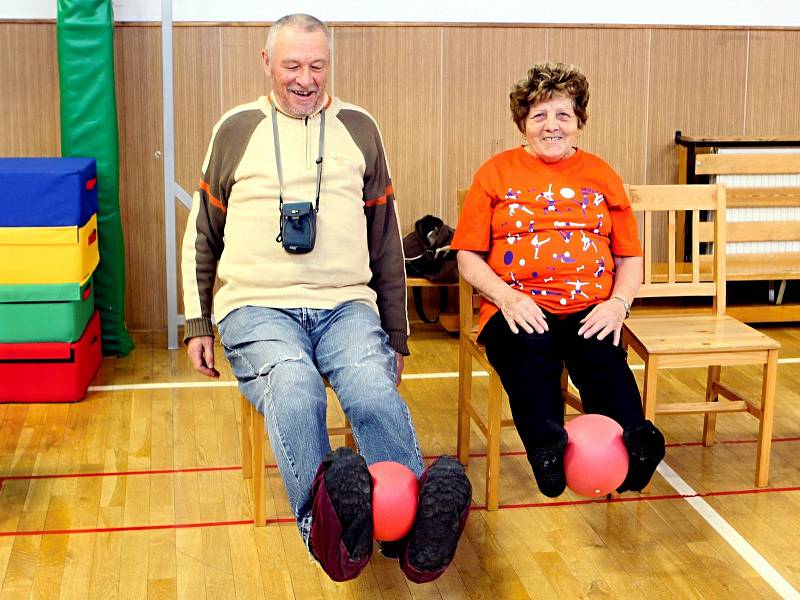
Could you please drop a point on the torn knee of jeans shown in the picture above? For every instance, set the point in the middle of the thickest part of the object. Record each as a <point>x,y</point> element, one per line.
<point>369,355</point>
<point>266,369</point>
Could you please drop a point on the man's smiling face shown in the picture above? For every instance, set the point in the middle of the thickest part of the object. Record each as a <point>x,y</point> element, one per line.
<point>298,70</point>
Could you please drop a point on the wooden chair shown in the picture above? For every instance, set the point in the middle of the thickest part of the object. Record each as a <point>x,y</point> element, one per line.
<point>665,339</point>
<point>688,339</point>
<point>470,349</point>
<point>253,436</point>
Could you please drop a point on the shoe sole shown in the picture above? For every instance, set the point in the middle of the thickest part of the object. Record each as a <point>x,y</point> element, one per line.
<point>446,493</point>
<point>349,486</point>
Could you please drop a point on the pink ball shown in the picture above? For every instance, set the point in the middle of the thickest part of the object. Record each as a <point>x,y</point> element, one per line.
<point>394,500</point>
<point>595,461</point>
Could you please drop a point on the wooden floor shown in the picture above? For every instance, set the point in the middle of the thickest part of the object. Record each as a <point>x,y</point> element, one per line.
<point>137,493</point>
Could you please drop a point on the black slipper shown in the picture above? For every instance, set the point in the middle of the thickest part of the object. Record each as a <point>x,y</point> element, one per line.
<point>547,460</point>
<point>646,448</point>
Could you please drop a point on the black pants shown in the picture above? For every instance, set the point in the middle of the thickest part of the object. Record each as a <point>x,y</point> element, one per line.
<point>530,366</point>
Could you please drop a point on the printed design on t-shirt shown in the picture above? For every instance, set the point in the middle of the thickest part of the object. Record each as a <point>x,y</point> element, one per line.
<point>569,267</point>
<point>512,210</point>
<point>587,242</point>
<point>536,292</point>
<point>549,197</point>
<point>601,267</point>
<point>537,243</point>
<point>577,288</point>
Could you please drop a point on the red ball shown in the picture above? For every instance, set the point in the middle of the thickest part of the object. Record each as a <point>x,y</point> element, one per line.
<point>595,461</point>
<point>394,500</point>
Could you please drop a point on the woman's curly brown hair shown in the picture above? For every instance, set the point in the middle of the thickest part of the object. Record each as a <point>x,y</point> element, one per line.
<point>542,82</point>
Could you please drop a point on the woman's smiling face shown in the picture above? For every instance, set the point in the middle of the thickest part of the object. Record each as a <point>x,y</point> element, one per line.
<point>551,129</point>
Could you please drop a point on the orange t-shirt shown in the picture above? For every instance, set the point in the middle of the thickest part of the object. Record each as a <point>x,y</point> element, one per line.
<point>549,229</point>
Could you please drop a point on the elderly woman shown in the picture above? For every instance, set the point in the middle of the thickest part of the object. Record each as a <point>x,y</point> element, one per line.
<point>548,237</point>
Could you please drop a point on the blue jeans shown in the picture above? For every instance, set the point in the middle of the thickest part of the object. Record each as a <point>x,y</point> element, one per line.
<point>279,357</point>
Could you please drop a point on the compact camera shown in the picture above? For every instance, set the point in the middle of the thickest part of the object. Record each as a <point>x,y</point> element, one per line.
<point>298,227</point>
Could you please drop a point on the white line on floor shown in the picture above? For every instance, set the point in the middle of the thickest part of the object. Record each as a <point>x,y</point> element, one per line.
<point>232,383</point>
<point>729,534</point>
<point>162,386</point>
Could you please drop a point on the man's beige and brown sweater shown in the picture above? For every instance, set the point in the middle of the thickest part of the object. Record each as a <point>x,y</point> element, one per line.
<point>234,220</point>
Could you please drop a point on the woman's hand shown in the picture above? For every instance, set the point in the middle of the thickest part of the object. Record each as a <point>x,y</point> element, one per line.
<point>604,318</point>
<point>607,317</point>
<point>520,310</point>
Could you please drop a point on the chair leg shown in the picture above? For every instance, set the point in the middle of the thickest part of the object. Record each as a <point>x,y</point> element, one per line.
<point>649,397</point>
<point>767,414</point>
<point>649,388</point>
<point>493,442</point>
<point>347,430</point>
<point>710,419</point>
<point>246,436</point>
<point>464,399</point>
<point>570,399</point>
<point>259,492</point>
<point>349,440</point>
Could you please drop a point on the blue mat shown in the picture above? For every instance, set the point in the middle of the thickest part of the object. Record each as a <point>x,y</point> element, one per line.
<point>47,192</point>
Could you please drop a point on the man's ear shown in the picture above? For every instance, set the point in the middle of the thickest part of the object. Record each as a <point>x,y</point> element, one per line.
<point>265,61</point>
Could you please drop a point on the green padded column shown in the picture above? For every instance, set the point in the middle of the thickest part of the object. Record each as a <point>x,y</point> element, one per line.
<point>89,128</point>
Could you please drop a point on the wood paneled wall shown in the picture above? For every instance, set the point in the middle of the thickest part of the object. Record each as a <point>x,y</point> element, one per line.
<point>439,93</point>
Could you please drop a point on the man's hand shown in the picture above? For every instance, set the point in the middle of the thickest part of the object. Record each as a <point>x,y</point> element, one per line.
<point>201,355</point>
<point>400,359</point>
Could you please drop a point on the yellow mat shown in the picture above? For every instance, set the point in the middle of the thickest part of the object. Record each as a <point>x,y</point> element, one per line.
<point>48,254</point>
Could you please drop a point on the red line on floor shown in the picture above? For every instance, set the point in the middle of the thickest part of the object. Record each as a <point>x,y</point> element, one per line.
<point>274,466</point>
<point>646,498</point>
<point>129,528</point>
<point>673,445</point>
<point>291,520</point>
<point>283,520</point>
<point>123,473</point>
<point>278,521</point>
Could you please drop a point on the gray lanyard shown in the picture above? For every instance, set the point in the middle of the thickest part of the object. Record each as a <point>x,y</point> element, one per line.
<point>277,141</point>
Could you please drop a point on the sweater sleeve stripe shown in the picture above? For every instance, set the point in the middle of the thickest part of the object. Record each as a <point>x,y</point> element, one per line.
<point>382,200</point>
<point>203,185</point>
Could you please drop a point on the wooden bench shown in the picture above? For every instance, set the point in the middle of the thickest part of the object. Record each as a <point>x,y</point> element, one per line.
<point>699,160</point>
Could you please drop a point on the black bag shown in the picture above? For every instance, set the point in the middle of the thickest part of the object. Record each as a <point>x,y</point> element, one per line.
<point>427,251</point>
<point>427,254</point>
<point>298,227</point>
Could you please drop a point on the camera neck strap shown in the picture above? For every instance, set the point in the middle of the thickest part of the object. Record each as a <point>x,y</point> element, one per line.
<point>277,142</point>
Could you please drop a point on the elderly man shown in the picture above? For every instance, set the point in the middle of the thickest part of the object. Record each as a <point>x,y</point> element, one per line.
<point>296,216</point>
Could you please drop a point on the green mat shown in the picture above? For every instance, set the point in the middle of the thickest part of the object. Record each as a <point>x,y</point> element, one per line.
<point>89,128</point>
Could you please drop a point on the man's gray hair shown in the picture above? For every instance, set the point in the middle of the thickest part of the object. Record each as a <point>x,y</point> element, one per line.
<point>305,22</point>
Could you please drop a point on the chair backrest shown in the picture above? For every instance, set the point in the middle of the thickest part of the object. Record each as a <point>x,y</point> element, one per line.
<point>666,272</point>
<point>467,297</point>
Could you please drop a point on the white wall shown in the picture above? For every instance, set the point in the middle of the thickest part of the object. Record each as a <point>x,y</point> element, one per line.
<point>781,13</point>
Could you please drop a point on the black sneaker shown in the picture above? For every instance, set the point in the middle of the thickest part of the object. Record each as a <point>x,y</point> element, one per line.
<point>341,526</point>
<point>646,448</point>
<point>547,460</point>
<point>445,495</point>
